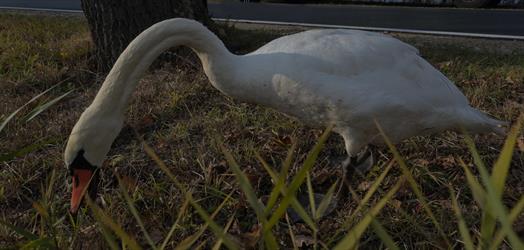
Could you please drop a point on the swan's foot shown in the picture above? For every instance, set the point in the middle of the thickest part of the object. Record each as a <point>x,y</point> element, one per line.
<point>361,163</point>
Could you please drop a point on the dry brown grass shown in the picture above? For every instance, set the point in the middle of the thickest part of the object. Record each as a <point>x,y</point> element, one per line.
<point>178,113</point>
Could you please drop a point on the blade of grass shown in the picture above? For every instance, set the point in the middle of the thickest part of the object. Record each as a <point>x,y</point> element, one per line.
<point>463,227</point>
<point>103,218</point>
<point>38,110</point>
<point>252,199</point>
<point>499,174</point>
<point>377,227</point>
<point>291,234</point>
<point>50,185</point>
<point>498,177</point>
<point>182,211</point>
<point>151,153</point>
<point>27,149</point>
<point>26,234</point>
<point>479,194</point>
<point>488,223</point>
<point>205,216</point>
<point>373,188</point>
<point>281,187</point>
<point>384,236</point>
<point>371,191</point>
<point>40,209</point>
<point>326,201</point>
<point>513,215</point>
<point>244,184</point>
<point>134,212</point>
<point>312,206</point>
<point>189,241</point>
<point>279,180</point>
<point>494,199</point>
<point>41,243</point>
<point>311,196</point>
<point>201,246</point>
<point>217,230</point>
<point>352,237</point>
<point>298,180</point>
<point>218,244</point>
<point>413,183</point>
<point>501,167</point>
<point>10,117</point>
<point>110,240</point>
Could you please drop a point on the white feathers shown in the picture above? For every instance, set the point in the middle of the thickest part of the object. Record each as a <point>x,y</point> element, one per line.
<point>344,77</point>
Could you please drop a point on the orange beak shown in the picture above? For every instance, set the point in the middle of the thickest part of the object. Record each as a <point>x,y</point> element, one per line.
<point>81,179</point>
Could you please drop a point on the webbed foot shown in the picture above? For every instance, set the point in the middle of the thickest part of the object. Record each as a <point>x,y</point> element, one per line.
<point>361,163</point>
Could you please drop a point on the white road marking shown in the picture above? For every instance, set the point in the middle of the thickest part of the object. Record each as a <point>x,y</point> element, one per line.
<point>412,31</point>
<point>40,9</point>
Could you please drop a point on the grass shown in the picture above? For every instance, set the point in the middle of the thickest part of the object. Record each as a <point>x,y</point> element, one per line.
<point>225,159</point>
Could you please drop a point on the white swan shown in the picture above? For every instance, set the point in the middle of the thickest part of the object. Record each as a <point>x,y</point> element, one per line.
<point>347,78</point>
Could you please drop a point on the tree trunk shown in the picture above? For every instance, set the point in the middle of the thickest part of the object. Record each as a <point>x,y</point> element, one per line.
<point>115,23</point>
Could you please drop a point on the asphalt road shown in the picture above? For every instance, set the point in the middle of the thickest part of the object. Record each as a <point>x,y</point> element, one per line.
<point>481,21</point>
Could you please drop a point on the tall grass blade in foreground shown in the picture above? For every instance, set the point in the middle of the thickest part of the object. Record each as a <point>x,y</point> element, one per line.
<point>352,237</point>
<point>463,227</point>
<point>13,114</point>
<point>21,231</point>
<point>499,174</point>
<point>280,188</point>
<point>298,180</point>
<point>181,212</point>
<point>278,180</point>
<point>384,236</point>
<point>104,219</point>
<point>246,187</point>
<point>38,110</point>
<point>513,215</point>
<point>217,230</point>
<point>134,212</point>
<point>218,244</point>
<point>413,183</point>
<point>494,209</point>
<point>363,202</point>
<point>108,236</point>
<point>190,241</point>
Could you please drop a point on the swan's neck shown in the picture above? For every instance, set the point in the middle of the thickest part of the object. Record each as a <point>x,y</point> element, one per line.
<point>123,78</point>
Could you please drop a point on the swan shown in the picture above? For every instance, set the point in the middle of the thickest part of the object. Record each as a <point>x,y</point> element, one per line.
<point>346,78</point>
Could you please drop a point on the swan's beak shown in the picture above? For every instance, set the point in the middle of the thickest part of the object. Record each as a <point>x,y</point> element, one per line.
<point>81,180</point>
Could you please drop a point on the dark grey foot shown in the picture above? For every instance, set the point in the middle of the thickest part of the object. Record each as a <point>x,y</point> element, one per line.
<point>361,163</point>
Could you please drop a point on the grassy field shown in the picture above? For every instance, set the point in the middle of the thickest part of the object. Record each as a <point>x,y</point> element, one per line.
<point>185,122</point>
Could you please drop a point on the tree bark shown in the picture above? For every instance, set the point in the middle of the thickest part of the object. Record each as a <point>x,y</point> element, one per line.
<point>115,23</point>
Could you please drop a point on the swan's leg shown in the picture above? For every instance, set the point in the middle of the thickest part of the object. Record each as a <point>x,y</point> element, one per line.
<point>358,160</point>
<point>361,163</point>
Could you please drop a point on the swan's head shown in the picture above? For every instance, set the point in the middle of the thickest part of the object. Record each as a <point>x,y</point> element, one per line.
<point>86,149</point>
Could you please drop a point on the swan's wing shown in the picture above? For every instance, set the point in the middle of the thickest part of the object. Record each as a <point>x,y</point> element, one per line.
<point>347,52</point>
<point>423,97</point>
<point>374,62</point>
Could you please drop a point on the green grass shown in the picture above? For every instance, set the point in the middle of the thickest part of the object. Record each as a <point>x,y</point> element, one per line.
<point>233,166</point>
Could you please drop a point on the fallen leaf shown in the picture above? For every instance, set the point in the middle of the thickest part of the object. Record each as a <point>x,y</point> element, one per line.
<point>365,185</point>
<point>147,121</point>
<point>396,204</point>
<point>304,240</point>
<point>251,238</point>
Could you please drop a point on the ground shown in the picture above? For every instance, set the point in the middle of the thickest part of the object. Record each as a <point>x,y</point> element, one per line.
<point>185,121</point>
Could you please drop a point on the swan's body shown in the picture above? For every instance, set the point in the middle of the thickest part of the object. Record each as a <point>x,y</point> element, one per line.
<point>343,77</point>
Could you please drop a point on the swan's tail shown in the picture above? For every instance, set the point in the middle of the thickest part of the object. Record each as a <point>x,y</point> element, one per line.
<point>478,122</point>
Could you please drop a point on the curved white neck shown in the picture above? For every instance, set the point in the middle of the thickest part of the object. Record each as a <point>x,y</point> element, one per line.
<point>123,78</point>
